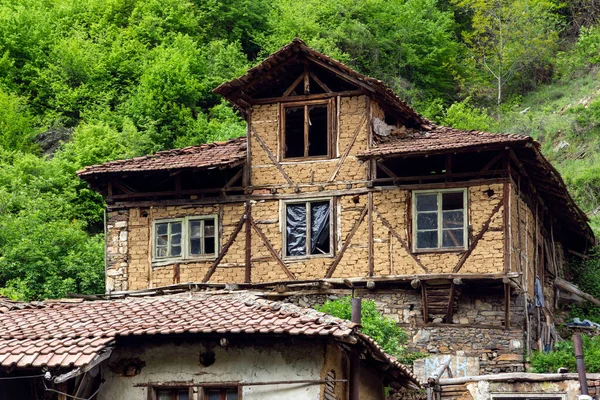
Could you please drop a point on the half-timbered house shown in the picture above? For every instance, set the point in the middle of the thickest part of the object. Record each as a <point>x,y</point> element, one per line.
<point>338,187</point>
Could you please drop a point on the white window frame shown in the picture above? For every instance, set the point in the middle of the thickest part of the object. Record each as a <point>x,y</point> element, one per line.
<point>283,219</point>
<point>185,240</point>
<point>440,229</point>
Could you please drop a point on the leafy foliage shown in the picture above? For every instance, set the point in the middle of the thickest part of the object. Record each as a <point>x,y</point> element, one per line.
<point>563,355</point>
<point>384,330</point>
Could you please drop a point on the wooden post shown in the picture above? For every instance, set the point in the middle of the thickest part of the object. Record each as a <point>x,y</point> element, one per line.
<point>450,310</point>
<point>507,305</point>
<point>248,266</point>
<point>506,226</point>
<point>248,166</point>
<point>424,300</point>
<point>370,222</point>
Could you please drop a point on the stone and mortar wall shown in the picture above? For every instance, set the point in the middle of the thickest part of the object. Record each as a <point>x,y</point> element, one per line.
<point>476,350</point>
<point>180,362</point>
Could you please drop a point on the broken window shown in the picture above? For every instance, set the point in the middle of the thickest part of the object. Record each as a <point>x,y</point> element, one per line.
<point>173,394</point>
<point>185,238</point>
<point>168,239</point>
<point>221,394</point>
<point>302,241</point>
<point>439,218</point>
<point>306,131</point>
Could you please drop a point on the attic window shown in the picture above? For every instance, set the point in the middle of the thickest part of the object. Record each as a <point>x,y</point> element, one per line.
<point>439,220</point>
<point>306,130</point>
<point>301,241</point>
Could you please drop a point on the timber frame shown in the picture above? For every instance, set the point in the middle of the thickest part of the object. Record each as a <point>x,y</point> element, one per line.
<point>520,220</point>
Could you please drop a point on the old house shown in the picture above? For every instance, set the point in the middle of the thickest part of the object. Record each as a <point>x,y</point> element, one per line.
<point>340,187</point>
<point>189,347</point>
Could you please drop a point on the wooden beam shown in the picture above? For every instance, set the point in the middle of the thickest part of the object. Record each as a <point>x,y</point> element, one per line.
<point>507,305</point>
<point>385,169</point>
<point>318,96</point>
<point>348,148</point>
<point>370,233</point>
<point>248,265</point>
<point>339,256</point>
<point>571,288</point>
<point>484,229</point>
<point>306,80</point>
<point>450,304</point>
<point>292,86</point>
<point>269,247</point>
<point>225,248</point>
<point>506,226</point>
<point>248,164</point>
<point>424,304</point>
<point>401,241</point>
<point>515,377</point>
<point>234,178</point>
<point>320,83</point>
<point>272,158</point>
<point>493,161</point>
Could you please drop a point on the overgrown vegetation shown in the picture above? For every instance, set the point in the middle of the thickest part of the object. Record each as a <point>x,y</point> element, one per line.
<point>385,331</point>
<point>563,355</point>
<point>87,82</point>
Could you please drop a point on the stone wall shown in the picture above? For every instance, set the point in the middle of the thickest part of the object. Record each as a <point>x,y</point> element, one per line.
<point>484,349</point>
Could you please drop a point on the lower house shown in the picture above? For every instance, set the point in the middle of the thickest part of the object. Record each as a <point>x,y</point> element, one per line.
<point>218,346</point>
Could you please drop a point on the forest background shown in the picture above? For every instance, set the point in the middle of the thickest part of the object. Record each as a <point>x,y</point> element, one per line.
<point>83,82</point>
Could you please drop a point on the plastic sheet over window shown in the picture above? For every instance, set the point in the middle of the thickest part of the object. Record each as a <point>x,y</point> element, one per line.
<point>298,216</point>
<point>296,229</point>
<point>319,228</point>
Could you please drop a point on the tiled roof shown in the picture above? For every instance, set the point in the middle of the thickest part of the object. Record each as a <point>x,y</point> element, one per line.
<point>212,155</point>
<point>72,334</point>
<point>441,138</point>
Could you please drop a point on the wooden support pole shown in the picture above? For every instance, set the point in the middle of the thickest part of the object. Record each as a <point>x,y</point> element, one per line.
<point>507,305</point>
<point>450,310</point>
<point>506,226</point>
<point>370,222</point>
<point>425,306</point>
<point>248,266</point>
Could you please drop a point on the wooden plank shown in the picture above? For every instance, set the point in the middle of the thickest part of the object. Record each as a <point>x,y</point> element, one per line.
<point>269,247</point>
<point>484,229</point>
<point>225,248</point>
<point>272,158</point>
<point>248,265</point>
<point>348,148</point>
<point>339,256</point>
<point>318,96</point>
<point>248,165</point>
<point>400,240</point>
<point>370,227</point>
<point>306,128</point>
<point>516,377</point>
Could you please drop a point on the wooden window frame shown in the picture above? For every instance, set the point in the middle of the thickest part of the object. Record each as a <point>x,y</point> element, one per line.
<point>307,202</point>
<point>173,391</point>
<point>330,103</point>
<point>202,395</point>
<point>185,241</point>
<point>440,248</point>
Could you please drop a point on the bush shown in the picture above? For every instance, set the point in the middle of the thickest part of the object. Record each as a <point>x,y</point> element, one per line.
<point>385,331</point>
<point>586,275</point>
<point>563,355</point>
<point>462,115</point>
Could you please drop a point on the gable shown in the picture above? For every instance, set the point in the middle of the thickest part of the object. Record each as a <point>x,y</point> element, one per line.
<point>287,68</point>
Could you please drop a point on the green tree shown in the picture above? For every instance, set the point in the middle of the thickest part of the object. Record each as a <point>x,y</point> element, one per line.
<point>508,37</point>
<point>385,331</point>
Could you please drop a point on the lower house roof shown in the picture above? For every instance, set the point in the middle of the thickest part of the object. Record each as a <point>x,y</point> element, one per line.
<point>73,334</point>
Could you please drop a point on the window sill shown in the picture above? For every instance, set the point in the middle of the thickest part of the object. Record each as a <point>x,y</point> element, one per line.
<point>434,251</point>
<point>171,261</point>
<point>306,258</point>
<point>293,161</point>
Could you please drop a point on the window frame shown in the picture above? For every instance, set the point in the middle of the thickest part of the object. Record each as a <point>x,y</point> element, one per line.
<point>203,395</point>
<point>185,256</point>
<point>440,229</point>
<point>173,390</point>
<point>283,218</point>
<point>329,103</point>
